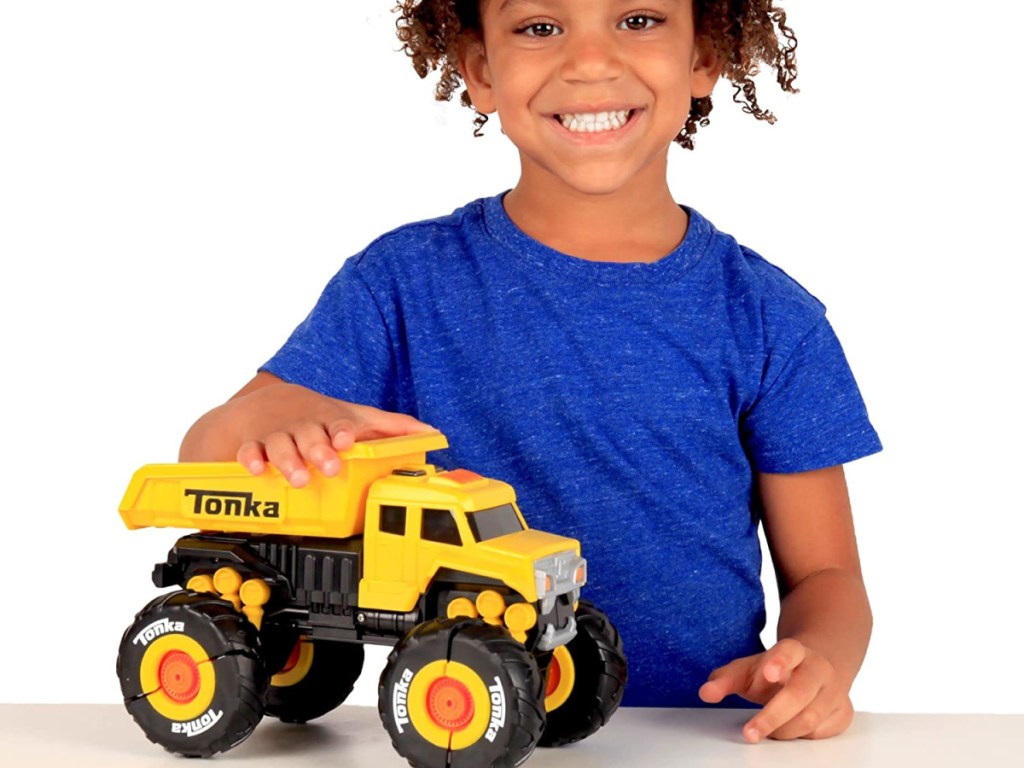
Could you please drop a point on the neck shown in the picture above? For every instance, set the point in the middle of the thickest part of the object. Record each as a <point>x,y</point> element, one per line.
<point>635,223</point>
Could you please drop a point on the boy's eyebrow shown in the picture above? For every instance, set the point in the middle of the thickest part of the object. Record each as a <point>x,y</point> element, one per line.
<point>508,5</point>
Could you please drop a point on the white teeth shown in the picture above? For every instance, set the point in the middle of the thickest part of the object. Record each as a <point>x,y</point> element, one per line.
<point>594,122</point>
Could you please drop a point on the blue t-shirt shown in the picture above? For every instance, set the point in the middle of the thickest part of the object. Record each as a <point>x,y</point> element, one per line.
<point>629,404</point>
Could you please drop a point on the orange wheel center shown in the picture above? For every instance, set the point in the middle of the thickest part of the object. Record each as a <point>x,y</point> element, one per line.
<point>179,676</point>
<point>293,658</point>
<point>450,704</point>
<point>554,676</point>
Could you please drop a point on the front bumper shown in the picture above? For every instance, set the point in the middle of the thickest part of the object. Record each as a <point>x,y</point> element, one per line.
<point>557,626</point>
<point>558,584</point>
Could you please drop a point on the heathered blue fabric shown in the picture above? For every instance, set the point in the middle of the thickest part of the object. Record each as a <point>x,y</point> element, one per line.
<point>628,404</point>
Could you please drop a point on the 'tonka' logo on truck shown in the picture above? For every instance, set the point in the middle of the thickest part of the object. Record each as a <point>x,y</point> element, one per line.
<point>400,700</point>
<point>231,504</point>
<point>199,725</point>
<point>497,692</point>
<point>159,627</point>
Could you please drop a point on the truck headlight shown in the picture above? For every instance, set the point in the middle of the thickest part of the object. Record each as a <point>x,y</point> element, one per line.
<point>545,583</point>
<point>579,576</point>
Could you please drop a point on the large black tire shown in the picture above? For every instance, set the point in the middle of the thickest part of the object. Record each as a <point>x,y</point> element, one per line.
<point>321,679</point>
<point>191,675</point>
<point>600,679</point>
<point>461,693</point>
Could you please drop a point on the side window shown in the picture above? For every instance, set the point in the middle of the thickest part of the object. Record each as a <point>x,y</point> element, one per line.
<point>392,519</point>
<point>439,525</point>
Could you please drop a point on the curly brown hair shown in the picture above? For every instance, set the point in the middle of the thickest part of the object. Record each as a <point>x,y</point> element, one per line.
<point>745,34</point>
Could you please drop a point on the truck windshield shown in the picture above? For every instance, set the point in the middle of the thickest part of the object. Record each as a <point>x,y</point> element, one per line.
<point>494,522</point>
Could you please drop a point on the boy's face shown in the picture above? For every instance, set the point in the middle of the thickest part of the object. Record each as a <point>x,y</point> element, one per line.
<point>544,60</point>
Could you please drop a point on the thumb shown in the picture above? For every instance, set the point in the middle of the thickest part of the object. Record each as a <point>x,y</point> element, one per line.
<point>378,423</point>
<point>364,422</point>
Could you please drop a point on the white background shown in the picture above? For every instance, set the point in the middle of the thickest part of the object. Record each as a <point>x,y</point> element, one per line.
<point>179,179</point>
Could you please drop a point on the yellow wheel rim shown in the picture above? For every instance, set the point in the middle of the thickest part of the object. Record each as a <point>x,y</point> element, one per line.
<point>178,677</point>
<point>295,671</point>
<point>561,679</point>
<point>436,708</point>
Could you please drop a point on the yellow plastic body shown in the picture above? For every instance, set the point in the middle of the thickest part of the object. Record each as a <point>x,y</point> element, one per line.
<point>223,496</point>
<point>397,567</point>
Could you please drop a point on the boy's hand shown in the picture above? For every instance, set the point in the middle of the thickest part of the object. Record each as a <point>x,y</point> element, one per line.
<point>293,428</point>
<point>328,426</point>
<point>803,695</point>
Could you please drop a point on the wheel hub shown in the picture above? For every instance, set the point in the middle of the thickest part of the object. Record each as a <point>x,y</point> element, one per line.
<point>450,704</point>
<point>554,676</point>
<point>179,677</point>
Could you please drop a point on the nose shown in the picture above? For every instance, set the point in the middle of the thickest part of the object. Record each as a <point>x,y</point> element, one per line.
<point>591,55</point>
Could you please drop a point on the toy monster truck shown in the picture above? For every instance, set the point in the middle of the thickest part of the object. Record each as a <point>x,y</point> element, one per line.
<point>281,588</point>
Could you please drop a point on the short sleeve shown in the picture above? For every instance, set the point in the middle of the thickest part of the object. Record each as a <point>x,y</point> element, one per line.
<point>810,413</point>
<point>342,349</point>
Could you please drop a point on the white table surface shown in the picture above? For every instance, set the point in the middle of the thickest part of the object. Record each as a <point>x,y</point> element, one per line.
<point>82,735</point>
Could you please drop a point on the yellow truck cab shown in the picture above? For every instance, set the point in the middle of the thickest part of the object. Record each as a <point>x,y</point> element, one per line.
<point>281,587</point>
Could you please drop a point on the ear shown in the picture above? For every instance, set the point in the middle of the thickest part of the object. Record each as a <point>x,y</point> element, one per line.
<point>476,73</point>
<point>706,69</point>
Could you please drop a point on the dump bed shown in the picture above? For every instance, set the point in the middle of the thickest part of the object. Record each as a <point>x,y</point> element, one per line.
<point>223,496</point>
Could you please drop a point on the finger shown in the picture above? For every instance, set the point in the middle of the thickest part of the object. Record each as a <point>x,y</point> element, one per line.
<point>799,691</point>
<point>781,659</point>
<point>251,456</point>
<point>284,454</point>
<point>374,422</point>
<point>734,677</point>
<point>315,448</point>
<point>712,691</point>
<point>741,677</point>
<point>368,423</point>
<point>342,433</point>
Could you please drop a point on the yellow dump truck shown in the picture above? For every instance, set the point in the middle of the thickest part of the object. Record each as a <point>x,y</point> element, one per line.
<point>281,587</point>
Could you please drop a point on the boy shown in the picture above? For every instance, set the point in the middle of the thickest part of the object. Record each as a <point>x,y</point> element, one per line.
<point>645,383</point>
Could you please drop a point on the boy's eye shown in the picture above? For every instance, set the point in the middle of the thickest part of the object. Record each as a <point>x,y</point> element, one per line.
<point>538,29</point>
<point>641,21</point>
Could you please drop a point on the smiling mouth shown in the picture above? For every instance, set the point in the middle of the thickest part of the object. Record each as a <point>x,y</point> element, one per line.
<point>595,122</point>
